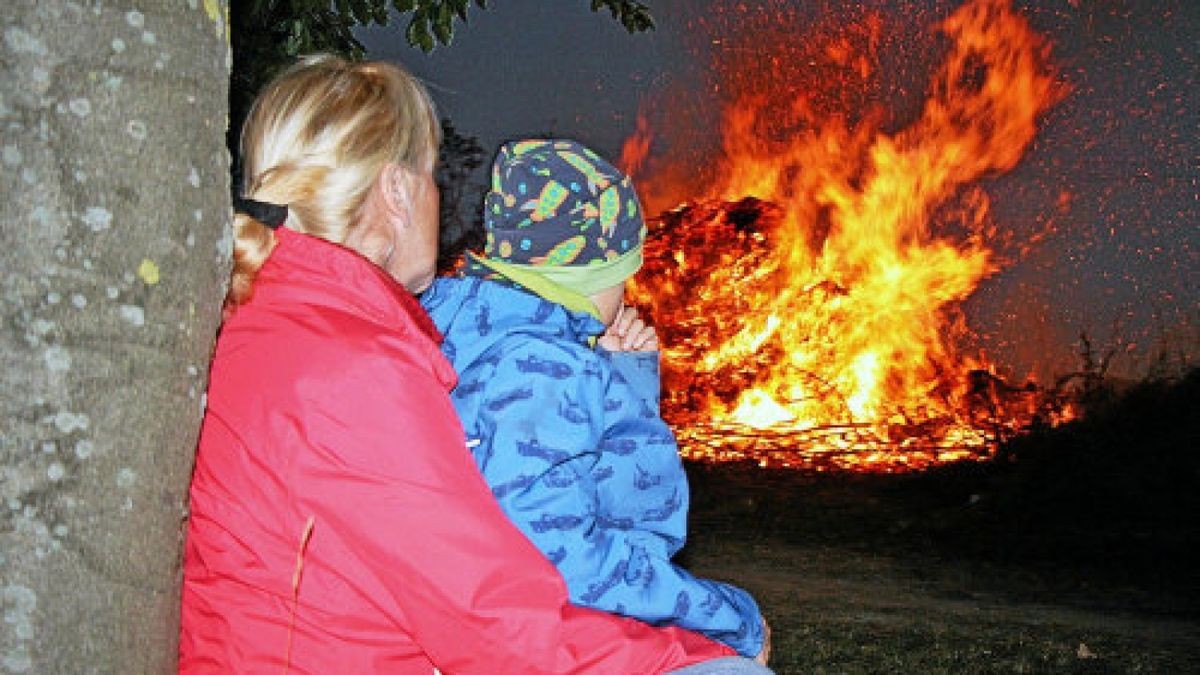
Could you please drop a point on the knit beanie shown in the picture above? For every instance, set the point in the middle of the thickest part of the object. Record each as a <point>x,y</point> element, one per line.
<point>559,210</point>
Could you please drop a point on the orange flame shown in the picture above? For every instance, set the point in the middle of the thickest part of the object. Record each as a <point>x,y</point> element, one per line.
<point>838,307</point>
<point>637,147</point>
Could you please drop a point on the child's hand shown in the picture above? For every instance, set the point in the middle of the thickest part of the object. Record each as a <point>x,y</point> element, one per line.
<point>765,654</point>
<point>628,333</point>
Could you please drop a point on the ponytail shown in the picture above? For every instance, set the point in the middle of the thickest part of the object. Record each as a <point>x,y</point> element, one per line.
<point>253,242</point>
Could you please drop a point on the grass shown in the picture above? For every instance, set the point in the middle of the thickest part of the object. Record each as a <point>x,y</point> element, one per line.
<point>1074,552</point>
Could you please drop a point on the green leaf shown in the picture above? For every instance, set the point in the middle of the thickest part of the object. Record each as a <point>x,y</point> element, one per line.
<point>634,16</point>
<point>418,33</point>
<point>380,12</point>
<point>404,6</point>
<point>638,20</point>
<point>360,11</point>
<point>443,26</point>
<point>308,6</point>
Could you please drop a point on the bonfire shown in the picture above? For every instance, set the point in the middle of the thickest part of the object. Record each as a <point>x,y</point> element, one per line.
<point>809,301</point>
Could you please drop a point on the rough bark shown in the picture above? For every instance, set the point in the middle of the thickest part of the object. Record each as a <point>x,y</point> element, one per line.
<point>114,249</point>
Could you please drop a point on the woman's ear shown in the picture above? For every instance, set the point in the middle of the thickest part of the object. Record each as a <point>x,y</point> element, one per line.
<point>397,190</point>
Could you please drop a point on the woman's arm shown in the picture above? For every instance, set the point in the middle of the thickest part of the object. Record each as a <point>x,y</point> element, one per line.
<point>394,483</point>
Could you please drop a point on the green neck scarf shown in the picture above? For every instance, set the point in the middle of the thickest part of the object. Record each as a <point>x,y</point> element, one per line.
<point>527,277</point>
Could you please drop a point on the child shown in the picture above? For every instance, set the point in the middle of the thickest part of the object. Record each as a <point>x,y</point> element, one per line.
<point>568,433</point>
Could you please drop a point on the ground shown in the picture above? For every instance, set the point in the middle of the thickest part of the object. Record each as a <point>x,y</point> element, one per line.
<point>850,585</point>
<point>839,610</point>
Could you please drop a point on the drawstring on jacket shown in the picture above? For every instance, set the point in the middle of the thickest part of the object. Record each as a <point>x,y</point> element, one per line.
<point>308,528</point>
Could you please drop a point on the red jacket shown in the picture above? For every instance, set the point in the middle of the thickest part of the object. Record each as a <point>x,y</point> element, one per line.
<point>339,525</point>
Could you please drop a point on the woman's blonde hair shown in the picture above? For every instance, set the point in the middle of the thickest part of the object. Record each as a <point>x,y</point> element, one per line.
<point>316,140</point>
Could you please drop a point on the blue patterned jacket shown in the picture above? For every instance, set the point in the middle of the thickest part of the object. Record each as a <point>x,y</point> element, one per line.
<point>571,442</point>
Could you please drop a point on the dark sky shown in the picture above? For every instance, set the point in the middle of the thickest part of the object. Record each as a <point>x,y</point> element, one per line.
<point>527,67</point>
<point>1121,258</point>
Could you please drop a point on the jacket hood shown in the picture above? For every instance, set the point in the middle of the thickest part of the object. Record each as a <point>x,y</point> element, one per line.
<point>474,314</point>
<point>298,259</point>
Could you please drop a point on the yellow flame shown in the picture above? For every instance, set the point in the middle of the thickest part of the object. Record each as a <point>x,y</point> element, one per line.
<point>849,313</point>
<point>757,409</point>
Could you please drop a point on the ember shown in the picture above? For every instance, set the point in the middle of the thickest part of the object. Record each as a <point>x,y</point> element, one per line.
<point>809,302</point>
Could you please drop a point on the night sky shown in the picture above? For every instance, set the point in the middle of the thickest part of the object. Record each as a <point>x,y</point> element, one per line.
<point>1112,181</point>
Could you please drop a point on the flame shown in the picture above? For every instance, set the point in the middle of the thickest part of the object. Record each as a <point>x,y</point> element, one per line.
<point>637,147</point>
<point>816,287</point>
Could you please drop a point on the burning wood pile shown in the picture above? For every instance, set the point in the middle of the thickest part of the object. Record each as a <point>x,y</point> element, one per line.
<point>721,407</point>
<point>809,305</point>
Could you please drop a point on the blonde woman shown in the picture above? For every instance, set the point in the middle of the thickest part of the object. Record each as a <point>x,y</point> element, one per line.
<point>338,523</point>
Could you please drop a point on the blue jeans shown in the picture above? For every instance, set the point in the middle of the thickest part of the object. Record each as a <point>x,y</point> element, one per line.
<point>729,665</point>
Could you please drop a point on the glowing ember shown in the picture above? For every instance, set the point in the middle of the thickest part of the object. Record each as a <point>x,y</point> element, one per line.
<point>809,301</point>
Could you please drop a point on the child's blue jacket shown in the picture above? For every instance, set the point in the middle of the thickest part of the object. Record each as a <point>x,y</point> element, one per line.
<point>571,442</point>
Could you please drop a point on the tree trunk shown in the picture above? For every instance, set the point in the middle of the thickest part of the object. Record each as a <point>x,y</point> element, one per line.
<point>114,247</point>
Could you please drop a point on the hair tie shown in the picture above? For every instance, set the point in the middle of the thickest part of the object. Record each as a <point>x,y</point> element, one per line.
<point>271,215</point>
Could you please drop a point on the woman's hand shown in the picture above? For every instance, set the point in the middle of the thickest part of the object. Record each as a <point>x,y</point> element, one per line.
<point>628,333</point>
<point>765,654</point>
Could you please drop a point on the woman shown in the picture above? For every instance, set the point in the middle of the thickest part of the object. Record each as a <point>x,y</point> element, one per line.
<point>338,523</point>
